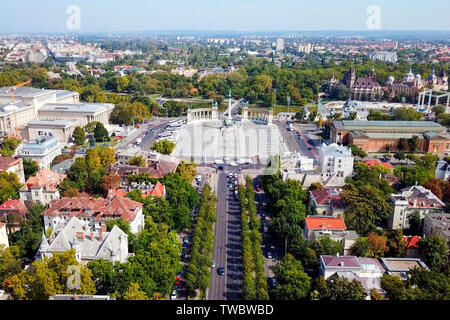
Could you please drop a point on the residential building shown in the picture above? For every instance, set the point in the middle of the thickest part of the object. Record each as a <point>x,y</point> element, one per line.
<point>412,250</point>
<point>386,56</point>
<point>43,187</point>
<point>63,167</point>
<point>60,129</point>
<point>368,271</point>
<point>155,169</point>
<point>13,212</point>
<point>296,161</point>
<point>410,200</point>
<point>321,223</point>
<point>147,189</point>
<point>280,44</point>
<point>346,238</point>
<point>94,211</point>
<point>43,150</point>
<point>442,170</point>
<point>88,246</point>
<point>3,236</point>
<point>14,165</point>
<point>326,202</point>
<point>437,224</point>
<point>402,266</point>
<point>375,136</point>
<point>335,164</point>
<point>123,157</point>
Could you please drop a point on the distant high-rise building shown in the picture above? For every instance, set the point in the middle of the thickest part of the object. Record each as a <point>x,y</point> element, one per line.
<point>280,44</point>
<point>305,48</point>
<point>386,56</point>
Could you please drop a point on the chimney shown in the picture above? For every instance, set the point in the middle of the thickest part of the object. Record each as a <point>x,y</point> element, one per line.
<point>103,228</point>
<point>100,236</point>
<point>341,263</point>
<point>92,236</point>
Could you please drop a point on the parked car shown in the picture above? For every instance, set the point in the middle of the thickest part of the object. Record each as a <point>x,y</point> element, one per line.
<point>272,283</point>
<point>265,228</point>
<point>269,255</point>
<point>221,271</point>
<point>186,239</point>
<point>174,295</point>
<point>213,265</point>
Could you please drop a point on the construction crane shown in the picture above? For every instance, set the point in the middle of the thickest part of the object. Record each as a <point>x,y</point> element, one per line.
<point>13,91</point>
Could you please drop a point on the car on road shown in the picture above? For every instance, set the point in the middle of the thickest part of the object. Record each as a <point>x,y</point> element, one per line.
<point>309,148</point>
<point>258,189</point>
<point>186,239</point>
<point>269,255</point>
<point>263,216</point>
<point>199,178</point>
<point>272,283</point>
<point>230,175</point>
<point>221,271</point>
<point>265,228</point>
<point>174,294</point>
<point>236,175</point>
<point>233,164</point>
<point>213,265</point>
<point>221,168</point>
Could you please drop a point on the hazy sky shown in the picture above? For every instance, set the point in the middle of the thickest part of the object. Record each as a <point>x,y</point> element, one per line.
<point>240,15</point>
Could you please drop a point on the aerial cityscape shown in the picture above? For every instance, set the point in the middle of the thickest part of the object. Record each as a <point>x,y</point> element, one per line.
<point>216,164</point>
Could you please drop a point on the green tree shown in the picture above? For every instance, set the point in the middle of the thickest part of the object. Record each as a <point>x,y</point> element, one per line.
<point>100,133</point>
<point>8,146</point>
<point>293,282</point>
<point>134,293</point>
<point>187,170</point>
<point>361,247</point>
<point>397,246</point>
<point>137,161</point>
<point>79,136</point>
<point>163,146</point>
<point>358,152</point>
<point>9,186</point>
<point>366,206</point>
<point>414,143</point>
<point>433,251</point>
<point>30,168</point>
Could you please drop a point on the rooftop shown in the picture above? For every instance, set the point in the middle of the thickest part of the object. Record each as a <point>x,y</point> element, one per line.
<point>7,162</point>
<point>402,264</point>
<point>77,107</point>
<point>325,223</point>
<point>52,122</point>
<point>365,125</point>
<point>46,179</point>
<point>340,261</point>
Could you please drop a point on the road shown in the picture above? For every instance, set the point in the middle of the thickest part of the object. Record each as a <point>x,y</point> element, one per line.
<point>227,244</point>
<point>307,143</point>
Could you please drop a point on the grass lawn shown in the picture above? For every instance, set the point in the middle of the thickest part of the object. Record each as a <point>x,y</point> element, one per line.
<point>99,144</point>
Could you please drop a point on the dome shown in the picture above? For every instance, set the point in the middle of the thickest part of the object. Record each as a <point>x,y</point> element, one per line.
<point>409,77</point>
<point>390,80</point>
<point>418,76</point>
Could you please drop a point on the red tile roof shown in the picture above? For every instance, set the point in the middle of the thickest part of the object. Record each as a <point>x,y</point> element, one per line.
<point>7,162</point>
<point>117,207</point>
<point>158,191</point>
<point>47,179</point>
<point>328,197</point>
<point>327,223</point>
<point>413,242</point>
<point>372,163</point>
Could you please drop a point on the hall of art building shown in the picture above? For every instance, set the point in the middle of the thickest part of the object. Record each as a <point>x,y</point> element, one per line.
<point>381,136</point>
